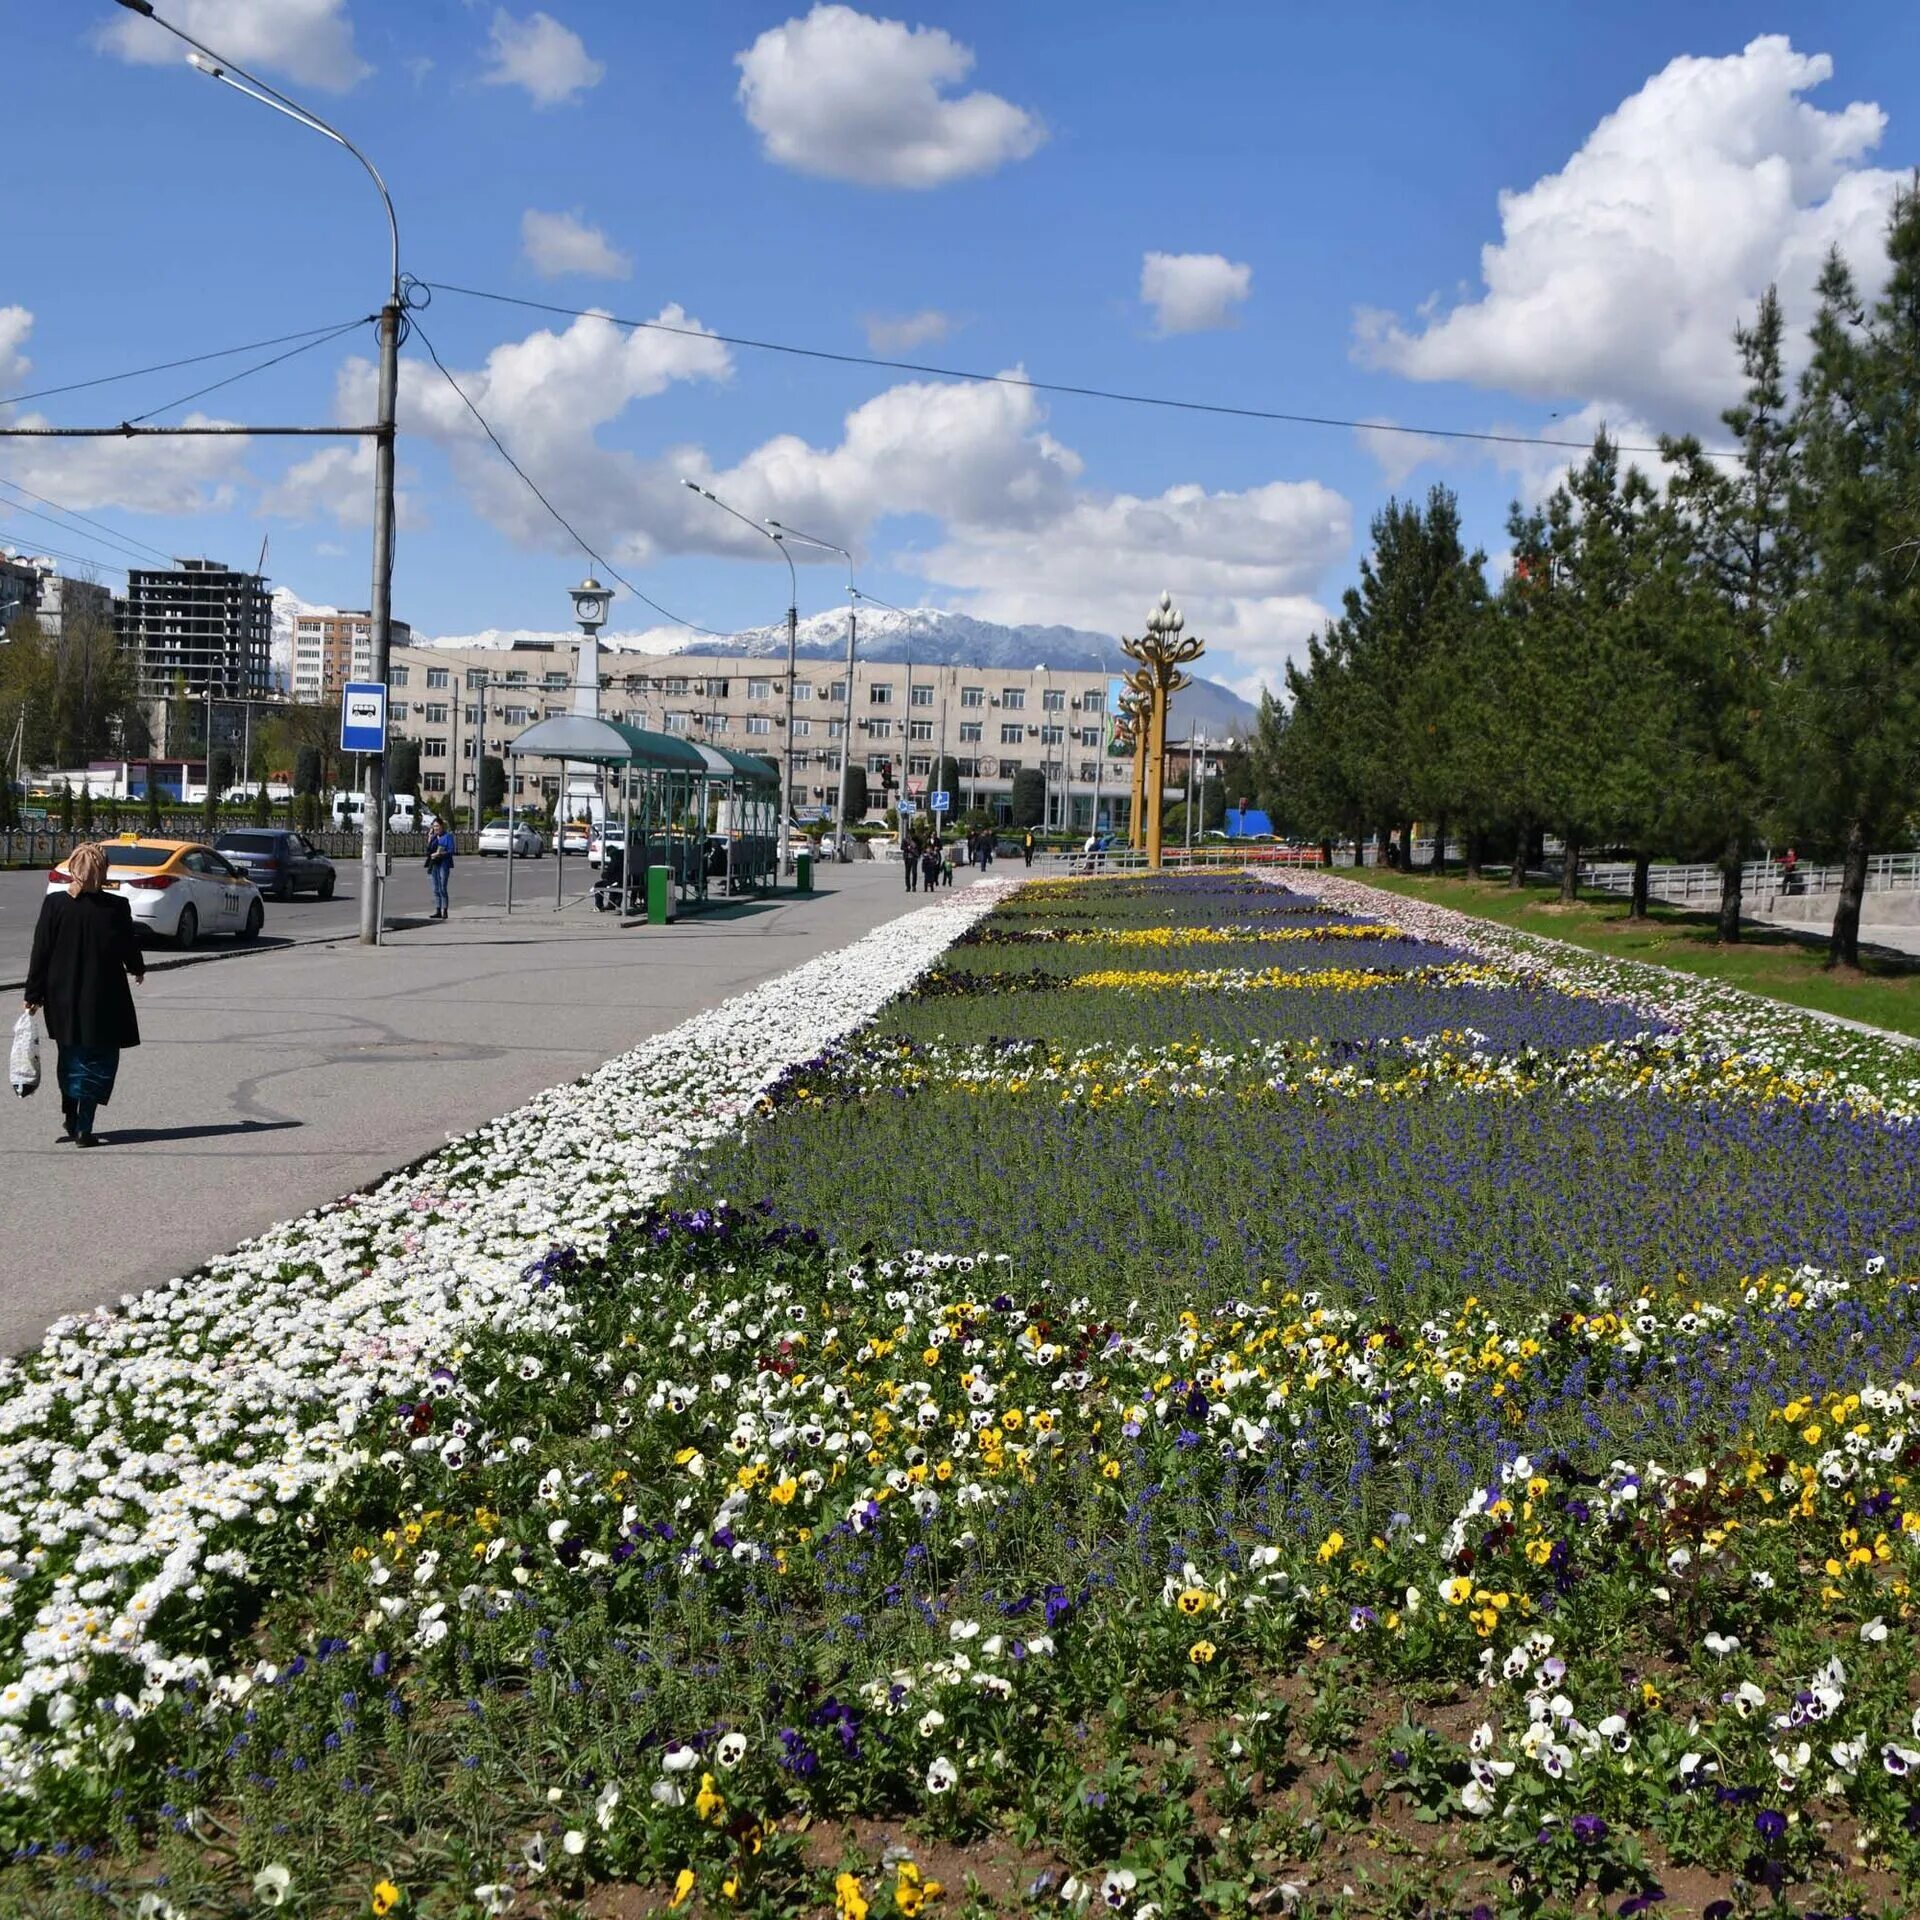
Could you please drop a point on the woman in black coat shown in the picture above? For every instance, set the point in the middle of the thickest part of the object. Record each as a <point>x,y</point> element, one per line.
<point>84,951</point>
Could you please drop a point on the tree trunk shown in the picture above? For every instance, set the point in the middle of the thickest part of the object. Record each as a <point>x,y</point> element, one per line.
<point>1440,844</point>
<point>1405,832</point>
<point>1473,853</point>
<point>1326,853</point>
<point>1382,848</point>
<point>1729,928</point>
<point>1637,909</point>
<point>1520,839</point>
<point>1569,870</point>
<point>1845,946</point>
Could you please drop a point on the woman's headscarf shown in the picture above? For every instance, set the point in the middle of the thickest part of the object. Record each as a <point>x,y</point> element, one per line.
<point>86,868</point>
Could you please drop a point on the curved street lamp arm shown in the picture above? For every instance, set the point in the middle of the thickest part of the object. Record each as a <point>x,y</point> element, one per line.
<point>223,69</point>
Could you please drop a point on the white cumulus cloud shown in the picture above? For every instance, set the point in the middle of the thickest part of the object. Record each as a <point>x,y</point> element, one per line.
<point>923,329</point>
<point>848,97</point>
<point>563,243</point>
<point>1620,277</point>
<point>307,40</point>
<point>1193,292</point>
<point>171,476</point>
<point>538,53</point>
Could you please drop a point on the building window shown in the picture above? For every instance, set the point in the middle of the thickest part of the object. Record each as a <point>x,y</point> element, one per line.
<point>1086,769</point>
<point>553,679</point>
<point>436,676</point>
<point>836,729</point>
<point>397,711</point>
<point>397,676</point>
<point>1052,734</point>
<point>880,729</point>
<point>716,689</point>
<point>759,689</point>
<point>1094,701</point>
<point>802,729</point>
<point>476,679</point>
<point>923,696</point>
<point>834,690</point>
<point>1014,699</point>
<point>879,763</point>
<point>919,729</point>
<point>436,713</point>
<point>969,768</point>
<point>434,782</point>
<point>677,685</point>
<point>679,722</point>
<point>802,690</point>
<point>757,723</point>
<point>970,732</point>
<point>1012,733</point>
<point>433,750</point>
<point>518,677</point>
<point>973,696</point>
<point>1008,768</point>
<point>1052,699</point>
<point>1089,736</point>
<point>514,716</point>
<point>919,763</point>
<point>880,694</point>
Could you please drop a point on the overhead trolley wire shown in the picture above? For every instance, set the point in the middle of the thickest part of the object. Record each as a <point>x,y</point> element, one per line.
<point>978,378</point>
<point>167,366</point>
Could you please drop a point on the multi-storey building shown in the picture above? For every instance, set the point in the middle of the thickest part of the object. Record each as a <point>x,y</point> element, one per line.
<point>332,645</point>
<point>994,723</point>
<point>67,605</point>
<point>198,628</point>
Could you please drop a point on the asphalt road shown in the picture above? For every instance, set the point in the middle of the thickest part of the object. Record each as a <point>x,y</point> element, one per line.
<point>476,882</point>
<point>284,1078</point>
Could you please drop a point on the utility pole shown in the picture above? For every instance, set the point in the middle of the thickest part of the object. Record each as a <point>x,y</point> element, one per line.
<point>373,829</point>
<point>846,732</point>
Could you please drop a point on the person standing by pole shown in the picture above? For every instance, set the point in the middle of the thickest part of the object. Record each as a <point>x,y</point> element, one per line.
<point>84,953</point>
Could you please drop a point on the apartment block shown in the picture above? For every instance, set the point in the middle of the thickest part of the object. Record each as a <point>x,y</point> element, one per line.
<point>332,646</point>
<point>993,722</point>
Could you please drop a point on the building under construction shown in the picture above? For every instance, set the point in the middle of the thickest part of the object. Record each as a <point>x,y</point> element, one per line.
<point>198,628</point>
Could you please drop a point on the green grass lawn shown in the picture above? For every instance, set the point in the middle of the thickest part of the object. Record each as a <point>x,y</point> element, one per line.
<point>1767,960</point>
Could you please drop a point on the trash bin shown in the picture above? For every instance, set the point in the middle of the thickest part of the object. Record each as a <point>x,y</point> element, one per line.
<point>803,872</point>
<point>659,896</point>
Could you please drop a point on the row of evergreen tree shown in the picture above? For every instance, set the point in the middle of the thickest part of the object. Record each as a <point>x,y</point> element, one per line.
<point>1683,670</point>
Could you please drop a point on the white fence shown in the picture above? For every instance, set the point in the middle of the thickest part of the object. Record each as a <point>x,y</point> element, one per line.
<point>1699,885</point>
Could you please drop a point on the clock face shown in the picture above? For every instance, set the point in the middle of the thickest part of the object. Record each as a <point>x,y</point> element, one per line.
<point>590,606</point>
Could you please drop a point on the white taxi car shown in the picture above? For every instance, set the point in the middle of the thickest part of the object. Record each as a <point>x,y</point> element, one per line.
<point>178,890</point>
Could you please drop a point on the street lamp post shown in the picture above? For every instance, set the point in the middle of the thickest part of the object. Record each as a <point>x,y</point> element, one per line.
<point>853,597</point>
<point>374,827</point>
<point>793,647</point>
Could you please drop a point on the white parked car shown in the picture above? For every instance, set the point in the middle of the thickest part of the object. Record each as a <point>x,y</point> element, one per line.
<point>612,835</point>
<point>573,836</point>
<point>497,837</point>
<point>179,890</point>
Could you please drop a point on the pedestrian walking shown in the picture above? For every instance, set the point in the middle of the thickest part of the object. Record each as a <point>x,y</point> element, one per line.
<point>910,856</point>
<point>946,867</point>
<point>1790,872</point>
<point>1026,846</point>
<point>84,953</point>
<point>440,865</point>
<point>930,867</point>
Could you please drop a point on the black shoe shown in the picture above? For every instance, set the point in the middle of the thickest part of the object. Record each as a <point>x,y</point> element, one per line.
<point>87,1140</point>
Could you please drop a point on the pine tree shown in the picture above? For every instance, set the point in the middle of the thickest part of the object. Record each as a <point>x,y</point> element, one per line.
<point>1852,640</point>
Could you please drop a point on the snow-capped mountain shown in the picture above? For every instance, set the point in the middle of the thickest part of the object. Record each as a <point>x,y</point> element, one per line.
<point>926,636</point>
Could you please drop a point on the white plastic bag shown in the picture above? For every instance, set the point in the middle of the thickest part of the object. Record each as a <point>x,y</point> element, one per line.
<point>23,1066</point>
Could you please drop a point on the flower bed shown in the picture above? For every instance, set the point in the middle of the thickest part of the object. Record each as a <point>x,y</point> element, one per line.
<point>1465,1454</point>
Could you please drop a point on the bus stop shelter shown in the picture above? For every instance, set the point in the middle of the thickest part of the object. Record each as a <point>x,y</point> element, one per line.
<point>668,790</point>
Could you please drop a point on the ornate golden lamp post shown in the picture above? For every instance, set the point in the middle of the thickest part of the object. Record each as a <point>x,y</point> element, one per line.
<point>1136,709</point>
<point>1162,652</point>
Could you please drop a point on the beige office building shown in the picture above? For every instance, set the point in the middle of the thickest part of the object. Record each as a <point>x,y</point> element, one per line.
<point>994,722</point>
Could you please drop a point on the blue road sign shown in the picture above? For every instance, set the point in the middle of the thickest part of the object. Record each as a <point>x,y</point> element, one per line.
<point>363,717</point>
<point>939,802</point>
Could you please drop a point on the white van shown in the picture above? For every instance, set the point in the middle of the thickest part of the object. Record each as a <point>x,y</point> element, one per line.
<point>349,811</point>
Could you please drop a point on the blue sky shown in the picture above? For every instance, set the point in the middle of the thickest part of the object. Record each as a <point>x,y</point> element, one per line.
<point>986,183</point>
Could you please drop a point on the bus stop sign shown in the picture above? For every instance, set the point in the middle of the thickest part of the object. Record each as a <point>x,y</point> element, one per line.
<point>363,717</point>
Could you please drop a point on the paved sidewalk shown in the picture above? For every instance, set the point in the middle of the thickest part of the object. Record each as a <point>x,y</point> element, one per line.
<point>267,1088</point>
